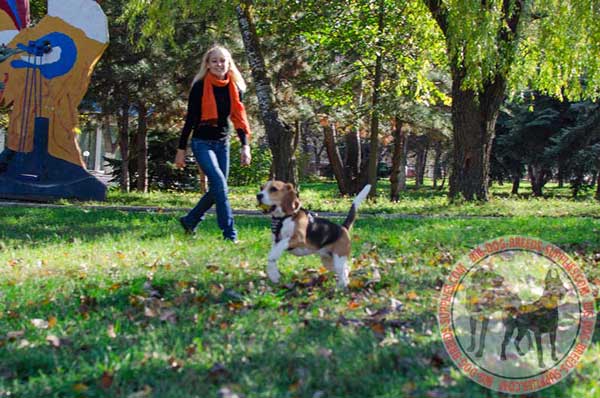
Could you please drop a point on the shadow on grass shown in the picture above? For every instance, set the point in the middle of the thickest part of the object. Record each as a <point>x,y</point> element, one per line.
<point>211,341</point>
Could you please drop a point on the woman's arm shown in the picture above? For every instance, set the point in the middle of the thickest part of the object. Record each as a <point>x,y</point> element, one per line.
<point>191,120</point>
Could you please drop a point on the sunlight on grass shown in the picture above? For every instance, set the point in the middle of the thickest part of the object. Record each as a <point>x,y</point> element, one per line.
<point>109,303</point>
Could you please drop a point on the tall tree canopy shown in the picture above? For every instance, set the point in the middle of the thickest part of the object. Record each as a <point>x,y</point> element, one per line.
<point>494,46</point>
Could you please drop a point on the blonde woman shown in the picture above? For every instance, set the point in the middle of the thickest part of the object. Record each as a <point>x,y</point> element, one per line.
<point>215,97</point>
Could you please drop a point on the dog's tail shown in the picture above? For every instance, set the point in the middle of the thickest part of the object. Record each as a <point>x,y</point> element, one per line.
<point>355,203</point>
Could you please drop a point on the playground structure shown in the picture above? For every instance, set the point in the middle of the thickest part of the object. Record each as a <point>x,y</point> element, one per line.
<point>45,71</point>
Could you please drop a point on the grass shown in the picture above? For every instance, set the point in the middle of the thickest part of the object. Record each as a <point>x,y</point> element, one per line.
<point>103,303</point>
<point>324,196</point>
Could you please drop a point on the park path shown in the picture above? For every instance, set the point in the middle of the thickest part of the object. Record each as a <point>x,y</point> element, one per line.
<point>252,213</point>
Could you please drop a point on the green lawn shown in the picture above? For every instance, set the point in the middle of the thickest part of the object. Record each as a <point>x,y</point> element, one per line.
<point>324,196</point>
<point>103,303</point>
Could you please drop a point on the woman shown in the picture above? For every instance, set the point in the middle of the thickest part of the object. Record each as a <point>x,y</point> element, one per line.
<point>215,97</point>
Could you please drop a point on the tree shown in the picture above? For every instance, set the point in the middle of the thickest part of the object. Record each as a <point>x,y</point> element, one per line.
<point>500,44</point>
<point>280,134</point>
<point>361,59</point>
<point>161,18</point>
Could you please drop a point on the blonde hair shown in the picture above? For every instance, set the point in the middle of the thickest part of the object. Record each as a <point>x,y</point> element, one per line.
<point>235,73</point>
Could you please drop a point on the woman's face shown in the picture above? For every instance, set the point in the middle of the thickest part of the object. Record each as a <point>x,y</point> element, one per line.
<point>218,64</point>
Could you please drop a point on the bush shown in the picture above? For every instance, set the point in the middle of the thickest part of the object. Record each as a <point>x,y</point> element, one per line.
<point>258,171</point>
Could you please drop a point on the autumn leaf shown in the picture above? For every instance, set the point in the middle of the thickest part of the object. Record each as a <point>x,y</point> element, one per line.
<point>15,334</point>
<point>353,305</point>
<point>356,284</point>
<point>40,323</point>
<point>409,387</point>
<point>175,363</point>
<point>378,327</point>
<point>412,295</point>
<point>80,387</point>
<point>110,330</point>
<point>144,393</point>
<point>53,340</point>
<point>52,322</point>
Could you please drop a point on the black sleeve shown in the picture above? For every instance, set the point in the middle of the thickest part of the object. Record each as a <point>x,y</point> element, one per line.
<point>193,113</point>
<point>241,133</point>
<point>242,136</point>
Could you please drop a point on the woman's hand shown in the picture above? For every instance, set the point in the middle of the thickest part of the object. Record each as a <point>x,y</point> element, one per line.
<point>180,159</point>
<point>246,157</point>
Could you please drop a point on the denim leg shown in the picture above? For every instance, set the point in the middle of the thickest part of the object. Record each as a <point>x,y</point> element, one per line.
<point>213,158</point>
<point>200,150</point>
<point>224,212</point>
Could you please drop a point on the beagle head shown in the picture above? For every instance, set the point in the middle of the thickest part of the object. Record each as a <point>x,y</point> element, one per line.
<point>278,198</point>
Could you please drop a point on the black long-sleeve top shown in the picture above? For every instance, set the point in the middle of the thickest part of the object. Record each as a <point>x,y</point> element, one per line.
<point>204,130</point>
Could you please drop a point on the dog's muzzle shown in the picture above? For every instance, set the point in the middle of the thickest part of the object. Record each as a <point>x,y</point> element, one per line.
<point>266,209</point>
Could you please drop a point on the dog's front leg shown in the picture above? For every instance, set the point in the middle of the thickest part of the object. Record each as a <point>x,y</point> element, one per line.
<point>276,251</point>
<point>340,265</point>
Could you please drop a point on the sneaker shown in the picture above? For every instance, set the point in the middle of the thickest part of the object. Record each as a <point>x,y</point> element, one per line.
<point>233,241</point>
<point>186,228</point>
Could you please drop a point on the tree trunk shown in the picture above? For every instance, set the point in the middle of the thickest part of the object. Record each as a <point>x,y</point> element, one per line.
<point>516,182</point>
<point>421,160</point>
<point>335,160</point>
<point>374,139</point>
<point>279,134</point>
<point>123,123</point>
<point>142,149</point>
<point>473,119</point>
<point>597,196</point>
<point>352,161</point>
<point>537,176</point>
<point>109,145</point>
<point>474,114</point>
<point>398,171</point>
<point>437,167</point>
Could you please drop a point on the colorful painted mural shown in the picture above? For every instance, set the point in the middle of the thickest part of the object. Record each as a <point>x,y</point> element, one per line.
<point>45,74</point>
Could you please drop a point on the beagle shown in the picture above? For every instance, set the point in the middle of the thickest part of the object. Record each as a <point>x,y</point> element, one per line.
<point>301,233</point>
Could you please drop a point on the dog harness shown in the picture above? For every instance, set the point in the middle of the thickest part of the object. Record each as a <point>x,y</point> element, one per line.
<point>277,223</point>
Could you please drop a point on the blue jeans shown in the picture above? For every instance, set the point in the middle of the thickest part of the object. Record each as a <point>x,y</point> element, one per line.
<point>213,158</point>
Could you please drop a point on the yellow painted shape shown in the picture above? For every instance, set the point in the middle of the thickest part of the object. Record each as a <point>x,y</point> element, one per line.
<point>6,22</point>
<point>60,96</point>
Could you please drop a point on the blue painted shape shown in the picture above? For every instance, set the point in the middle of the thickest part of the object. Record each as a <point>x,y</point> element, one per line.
<point>37,175</point>
<point>62,66</point>
<point>13,6</point>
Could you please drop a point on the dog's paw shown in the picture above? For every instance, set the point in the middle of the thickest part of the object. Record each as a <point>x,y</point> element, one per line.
<point>273,273</point>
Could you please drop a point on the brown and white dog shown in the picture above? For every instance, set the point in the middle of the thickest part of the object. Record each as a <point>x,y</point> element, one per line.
<point>301,233</point>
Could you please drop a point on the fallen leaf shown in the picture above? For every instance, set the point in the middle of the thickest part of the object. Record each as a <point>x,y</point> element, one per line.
<point>53,340</point>
<point>24,344</point>
<point>356,284</point>
<point>40,323</point>
<point>80,387</point>
<point>218,371</point>
<point>169,316</point>
<point>353,305</point>
<point>15,334</point>
<point>149,312</point>
<point>175,363</point>
<point>378,327</point>
<point>142,393</point>
<point>110,330</point>
<point>409,387</point>
<point>412,295</point>
<point>52,322</point>
<point>106,380</point>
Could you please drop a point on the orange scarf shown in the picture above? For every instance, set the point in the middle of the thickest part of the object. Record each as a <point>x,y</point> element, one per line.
<point>209,105</point>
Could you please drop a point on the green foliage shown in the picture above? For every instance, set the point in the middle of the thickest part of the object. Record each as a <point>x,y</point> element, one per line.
<point>255,174</point>
<point>162,174</point>
<point>128,306</point>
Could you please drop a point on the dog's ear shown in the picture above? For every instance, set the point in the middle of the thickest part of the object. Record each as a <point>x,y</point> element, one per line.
<point>290,202</point>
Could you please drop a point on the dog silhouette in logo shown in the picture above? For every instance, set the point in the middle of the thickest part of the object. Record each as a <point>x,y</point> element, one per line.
<point>539,317</point>
<point>486,296</point>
